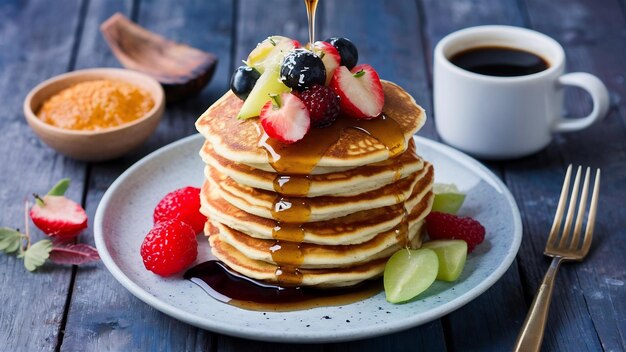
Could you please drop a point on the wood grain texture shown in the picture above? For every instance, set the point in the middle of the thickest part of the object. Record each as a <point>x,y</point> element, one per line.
<point>32,303</point>
<point>387,36</point>
<point>445,17</point>
<point>397,38</point>
<point>99,316</point>
<point>498,327</point>
<point>427,337</point>
<point>589,34</point>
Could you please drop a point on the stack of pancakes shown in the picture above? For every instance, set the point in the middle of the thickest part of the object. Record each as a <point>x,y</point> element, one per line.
<point>327,211</point>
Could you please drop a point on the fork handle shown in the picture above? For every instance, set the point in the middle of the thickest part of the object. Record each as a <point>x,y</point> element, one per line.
<point>531,336</point>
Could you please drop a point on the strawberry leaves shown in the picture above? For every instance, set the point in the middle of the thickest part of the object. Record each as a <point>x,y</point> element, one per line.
<point>60,188</point>
<point>62,250</point>
<point>10,240</point>
<point>73,254</point>
<point>36,255</point>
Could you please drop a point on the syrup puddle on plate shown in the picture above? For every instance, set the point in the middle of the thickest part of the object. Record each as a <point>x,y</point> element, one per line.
<point>228,286</point>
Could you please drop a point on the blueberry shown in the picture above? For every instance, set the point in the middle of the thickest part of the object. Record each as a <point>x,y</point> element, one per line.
<point>301,69</point>
<point>347,51</point>
<point>243,80</point>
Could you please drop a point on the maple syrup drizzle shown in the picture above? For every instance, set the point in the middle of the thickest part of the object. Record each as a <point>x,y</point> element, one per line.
<point>302,157</point>
<point>402,230</point>
<point>397,172</point>
<point>287,254</point>
<point>293,185</point>
<point>288,232</point>
<point>294,163</point>
<point>291,209</point>
<point>288,275</point>
<point>228,286</point>
<point>311,7</point>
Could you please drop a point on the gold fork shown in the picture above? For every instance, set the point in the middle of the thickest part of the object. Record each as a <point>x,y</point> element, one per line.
<point>562,246</point>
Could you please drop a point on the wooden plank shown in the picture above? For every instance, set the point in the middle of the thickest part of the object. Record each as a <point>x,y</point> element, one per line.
<point>102,314</point>
<point>445,17</point>
<point>524,177</point>
<point>502,308</point>
<point>260,19</point>
<point>532,210</point>
<point>30,52</point>
<point>427,337</point>
<point>589,307</point>
<point>233,344</point>
<point>387,35</point>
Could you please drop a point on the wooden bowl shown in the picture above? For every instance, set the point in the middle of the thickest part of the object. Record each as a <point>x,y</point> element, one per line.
<point>182,70</point>
<point>98,145</point>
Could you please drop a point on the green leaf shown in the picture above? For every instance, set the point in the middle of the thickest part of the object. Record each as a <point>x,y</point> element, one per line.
<point>37,254</point>
<point>10,240</point>
<point>60,188</point>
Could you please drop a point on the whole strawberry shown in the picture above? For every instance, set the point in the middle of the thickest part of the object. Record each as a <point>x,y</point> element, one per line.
<point>322,103</point>
<point>448,226</point>
<point>182,204</point>
<point>57,216</point>
<point>169,248</point>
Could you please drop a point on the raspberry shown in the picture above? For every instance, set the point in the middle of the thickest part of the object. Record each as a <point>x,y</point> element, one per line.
<point>182,204</point>
<point>169,247</point>
<point>322,103</point>
<point>448,226</point>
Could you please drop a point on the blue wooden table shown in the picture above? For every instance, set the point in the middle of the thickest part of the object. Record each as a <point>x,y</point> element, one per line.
<point>85,309</point>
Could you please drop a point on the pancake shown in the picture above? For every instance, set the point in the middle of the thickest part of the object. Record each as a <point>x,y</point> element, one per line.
<point>343,183</point>
<point>350,229</point>
<point>327,211</point>
<point>347,144</point>
<point>323,278</point>
<point>315,256</point>
<point>293,209</point>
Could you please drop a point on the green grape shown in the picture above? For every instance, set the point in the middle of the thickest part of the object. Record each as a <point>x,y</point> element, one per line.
<point>408,273</point>
<point>448,198</point>
<point>452,255</point>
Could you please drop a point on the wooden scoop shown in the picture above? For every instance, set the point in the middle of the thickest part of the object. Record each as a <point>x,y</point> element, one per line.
<point>182,70</point>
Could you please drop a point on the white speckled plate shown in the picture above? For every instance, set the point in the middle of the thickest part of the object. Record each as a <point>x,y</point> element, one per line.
<point>124,216</point>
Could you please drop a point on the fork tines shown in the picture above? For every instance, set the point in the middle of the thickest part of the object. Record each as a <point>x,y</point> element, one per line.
<point>568,239</point>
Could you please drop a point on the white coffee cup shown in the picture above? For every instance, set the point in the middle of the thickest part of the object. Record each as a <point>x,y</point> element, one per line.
<point>498,117</point>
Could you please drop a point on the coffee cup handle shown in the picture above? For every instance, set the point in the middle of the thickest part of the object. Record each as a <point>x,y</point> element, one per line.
<point>599,95</point>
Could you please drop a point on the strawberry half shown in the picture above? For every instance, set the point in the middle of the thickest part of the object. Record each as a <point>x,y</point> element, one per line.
<point>360,91</point>
<point>58,217</point>
<point>285,118</point>
<point>330,58</point>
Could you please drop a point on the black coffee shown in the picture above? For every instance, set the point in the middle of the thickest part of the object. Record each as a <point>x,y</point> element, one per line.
<point>499,61</point>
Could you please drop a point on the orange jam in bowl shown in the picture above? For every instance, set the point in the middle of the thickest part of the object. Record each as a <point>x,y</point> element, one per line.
<point>96,105</point>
